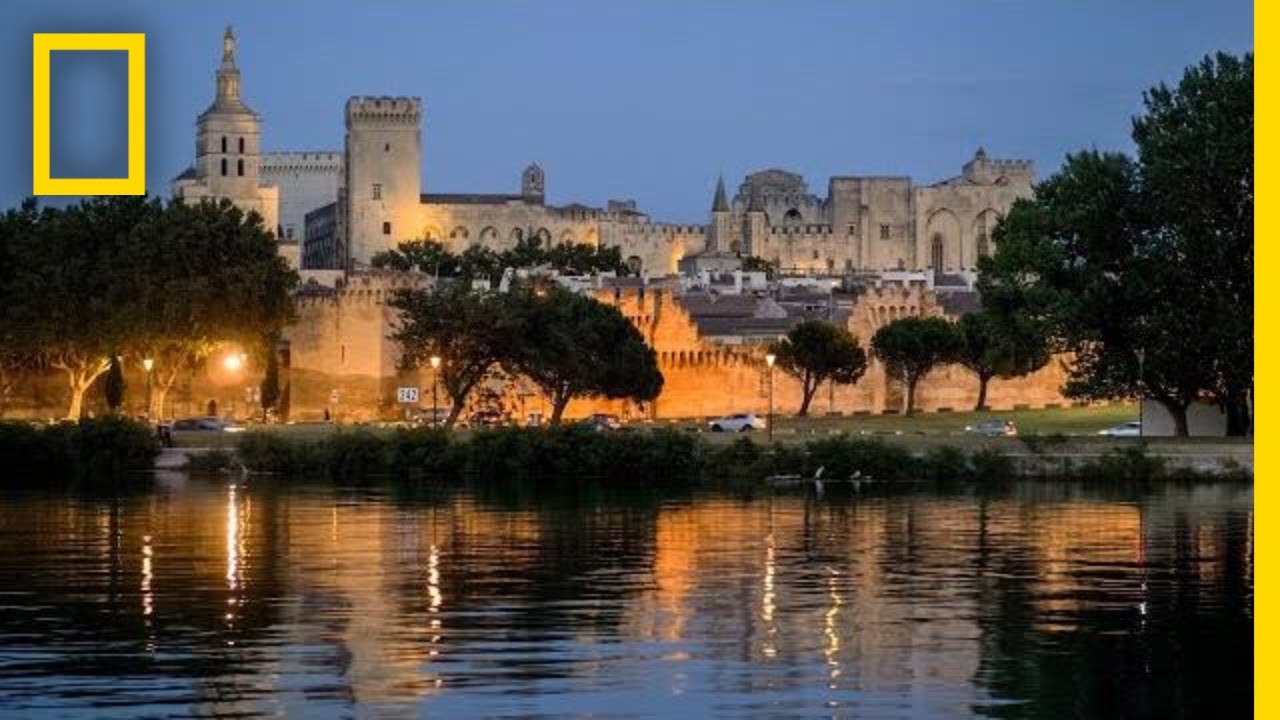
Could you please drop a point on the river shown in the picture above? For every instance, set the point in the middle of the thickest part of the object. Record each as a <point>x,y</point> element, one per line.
<point>213,598</point>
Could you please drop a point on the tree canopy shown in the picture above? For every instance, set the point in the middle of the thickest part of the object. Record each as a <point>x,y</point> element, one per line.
<point>816,351</point>
<point>991,348</point>
<point>569,345</point>
<point>1144,268</point>
<point>912,346</point>
<point>477,261</point>
<point>471,332</point>
<point>139,278</point>
<point>572,346</point>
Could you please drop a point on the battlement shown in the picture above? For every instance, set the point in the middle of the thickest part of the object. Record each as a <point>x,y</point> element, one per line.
<point>301,161</point>
<point>383,110</point>
<point>365,287</point>
<point>801,230</point>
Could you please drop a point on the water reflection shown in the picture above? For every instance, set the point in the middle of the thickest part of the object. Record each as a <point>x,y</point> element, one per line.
<point>203,598</point>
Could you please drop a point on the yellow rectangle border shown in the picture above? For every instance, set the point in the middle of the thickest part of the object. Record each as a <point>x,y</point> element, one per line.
<point>134,46</point>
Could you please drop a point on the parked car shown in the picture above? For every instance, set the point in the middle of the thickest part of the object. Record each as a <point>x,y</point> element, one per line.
<point>738,422</point>
<point>603,422</point>
<point>1133,428</point>
<point>206,424</point>
<point>430,418</point>
<point>485,419</point>
<point>993,428</point>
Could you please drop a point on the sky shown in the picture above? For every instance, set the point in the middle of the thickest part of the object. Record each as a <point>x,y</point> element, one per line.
<point>648,100</point>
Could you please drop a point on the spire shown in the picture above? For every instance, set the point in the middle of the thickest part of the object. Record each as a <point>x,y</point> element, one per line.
<point>228,48</point>
<point>227,99</point>
<point>981,154</point>
<point>721,203</point>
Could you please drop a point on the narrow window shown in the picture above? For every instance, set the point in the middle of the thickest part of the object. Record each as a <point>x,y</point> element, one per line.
<point>224,167</point>
<point>936,253</point>
<point>884,232</point>
<point>853,229</point>
<point>377,191</point>
<point>224,143</point>
<point>386,228</point>
<point>387,147</point>
<point>241,146</point>
<point>240,168</point>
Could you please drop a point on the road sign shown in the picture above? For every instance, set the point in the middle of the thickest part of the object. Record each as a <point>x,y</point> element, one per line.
<point>407,395</point>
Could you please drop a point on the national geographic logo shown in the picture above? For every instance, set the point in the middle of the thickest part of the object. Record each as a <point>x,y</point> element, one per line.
<point>134,47</point>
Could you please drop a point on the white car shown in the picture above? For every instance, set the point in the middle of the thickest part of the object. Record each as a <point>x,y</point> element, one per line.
<point>1133,428</point>
<point>738,422</point>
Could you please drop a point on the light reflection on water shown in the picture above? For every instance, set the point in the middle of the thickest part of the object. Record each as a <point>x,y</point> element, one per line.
<point>1037,600</point>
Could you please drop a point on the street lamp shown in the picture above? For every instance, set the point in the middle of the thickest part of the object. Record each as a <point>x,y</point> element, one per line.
<point>435,397</point>
<point>1142,391</point>
<point>148,363</point>
<point>769,360</point>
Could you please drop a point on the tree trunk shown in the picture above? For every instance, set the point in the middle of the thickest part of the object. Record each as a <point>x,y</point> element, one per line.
<point>1236,406</point>
<point>911,395</point>
<point>80,377</point>
<point>455,409</point>
<point>559,402</point>
<point>982,391</point>
<point>160,391</point>
<point>808,390</point>
<point>1178,411</point>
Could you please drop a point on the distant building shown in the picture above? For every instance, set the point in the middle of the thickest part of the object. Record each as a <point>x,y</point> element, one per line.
<point>229,152</point>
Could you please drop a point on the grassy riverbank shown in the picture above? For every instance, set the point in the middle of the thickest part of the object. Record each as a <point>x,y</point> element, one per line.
<point>667,456</point>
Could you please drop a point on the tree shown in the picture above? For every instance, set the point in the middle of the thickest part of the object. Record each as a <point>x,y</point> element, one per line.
<point>428,256</point>
<point>114,389</point>
<point>477,261</point>
<point>752,263</point>
<point>993,349</point>
<point>68,297</point>
<point>270,389</point>
<point>816,351</point>
<point>1195,145</point>
<point>209,274</point>
<point>1145,269</point>
<point>573,346</point>
<point>132,276</point>
<point>912,346</point>
<point>470,331</point>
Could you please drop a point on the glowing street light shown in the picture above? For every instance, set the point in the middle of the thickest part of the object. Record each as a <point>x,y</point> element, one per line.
<point>147,364</point>
<point>435,396</point>
<point>769,360</point>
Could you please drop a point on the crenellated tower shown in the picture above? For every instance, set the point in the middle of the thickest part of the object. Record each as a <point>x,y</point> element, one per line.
<point>382,182</point>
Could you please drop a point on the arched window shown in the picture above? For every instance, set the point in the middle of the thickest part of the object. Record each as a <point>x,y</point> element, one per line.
<point>459,232</point>
<point>635,264</point>
<point>224,144</point>
<point>517,234</point>
<point>792,217</point>
<point>935,253</point>
<point>224,167</point>
<point>983,246</point>
<point>241,146</point>
<point>240,168</point>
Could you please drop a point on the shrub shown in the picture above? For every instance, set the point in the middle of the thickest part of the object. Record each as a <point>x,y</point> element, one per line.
<point>842,456</point>
<point>211,461</point>
<point>109,447</point>
<point>1130,464</point>
<point>989,465</point>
